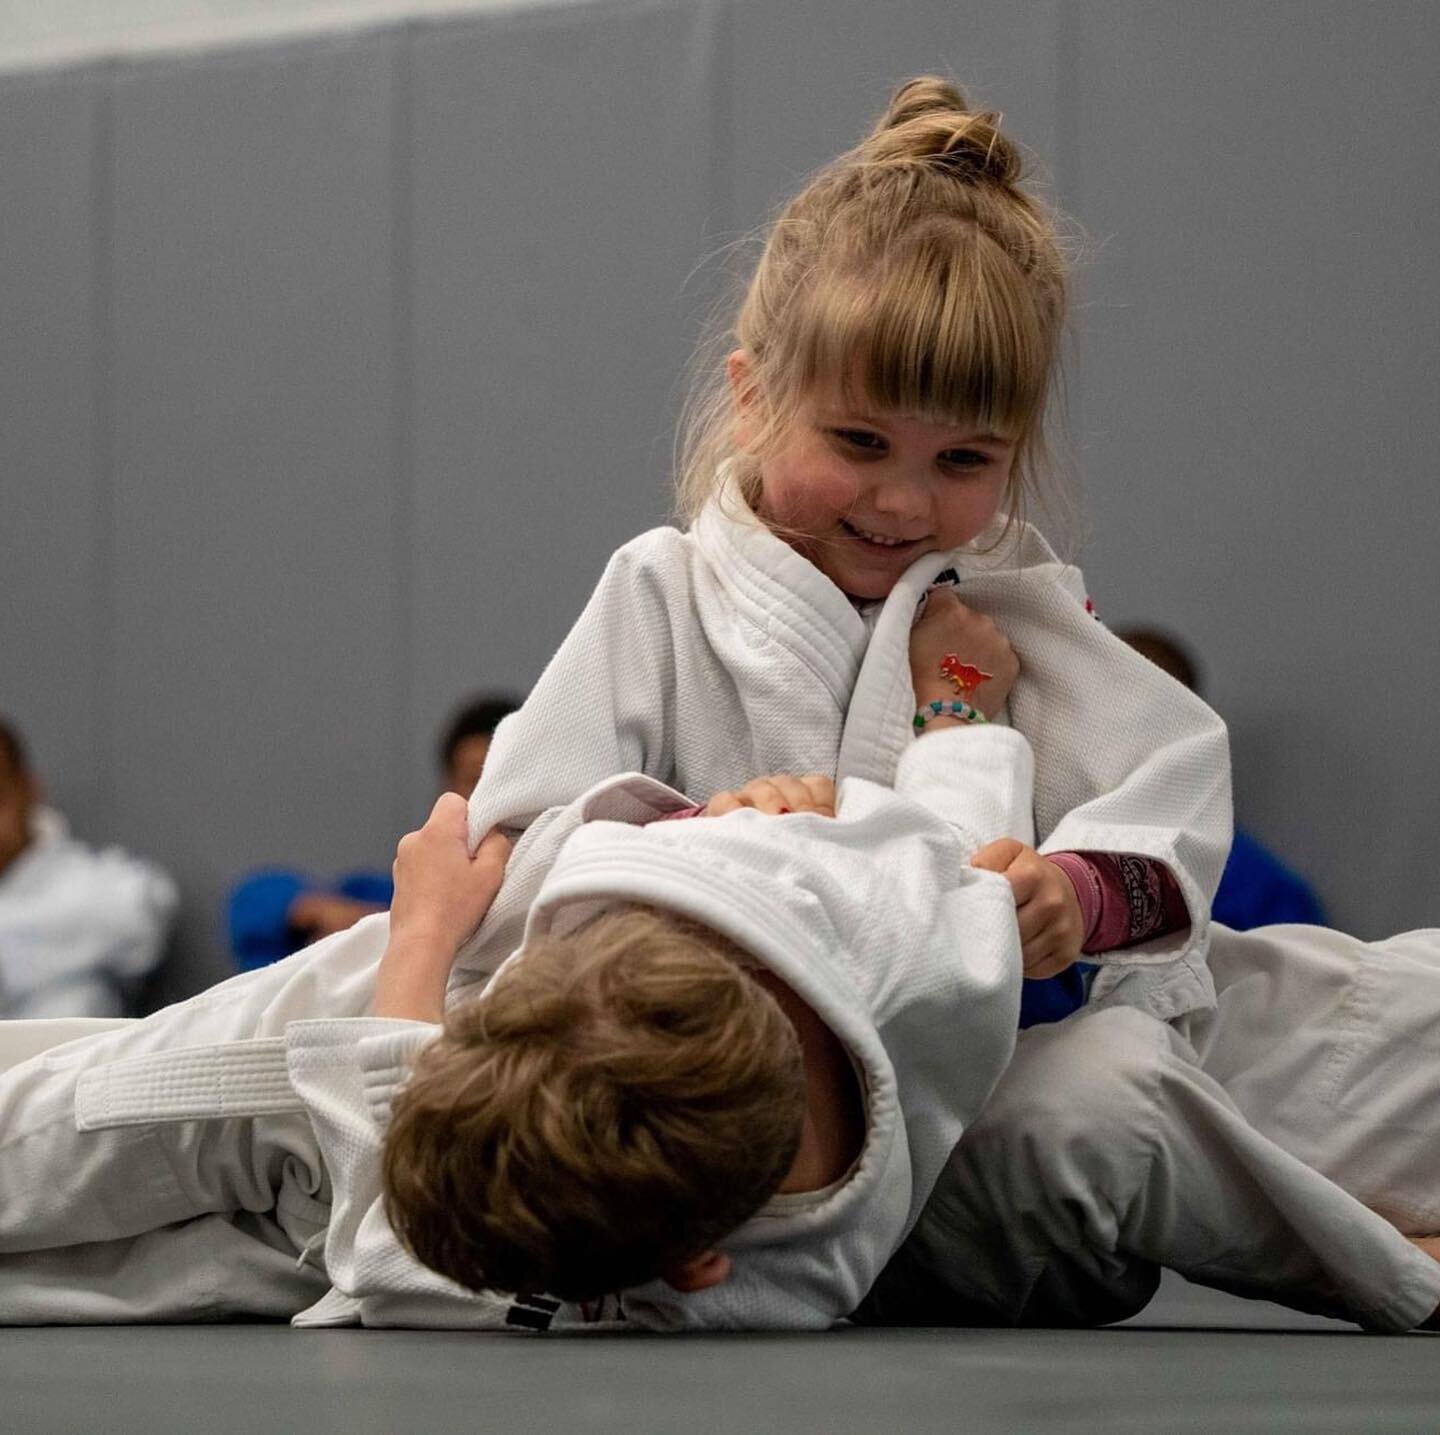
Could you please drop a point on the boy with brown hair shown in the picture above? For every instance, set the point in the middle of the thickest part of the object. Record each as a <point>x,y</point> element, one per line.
<point>642,1032</point>
<point>621,1117</point>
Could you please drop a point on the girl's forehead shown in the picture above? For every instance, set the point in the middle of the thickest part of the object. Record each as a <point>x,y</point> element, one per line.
<point>855,395</point>
<point>855,406</point>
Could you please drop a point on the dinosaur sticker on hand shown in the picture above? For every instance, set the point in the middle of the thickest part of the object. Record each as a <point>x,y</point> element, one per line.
<point>966,676</point>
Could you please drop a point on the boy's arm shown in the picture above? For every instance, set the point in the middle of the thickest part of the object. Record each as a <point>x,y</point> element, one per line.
<point>441,895</point>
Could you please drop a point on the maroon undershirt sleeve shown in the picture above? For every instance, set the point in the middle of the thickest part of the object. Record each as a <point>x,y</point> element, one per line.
<point>1124,899</point>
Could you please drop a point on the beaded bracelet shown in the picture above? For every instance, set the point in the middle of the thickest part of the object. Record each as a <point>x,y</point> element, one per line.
<point>967,712</point>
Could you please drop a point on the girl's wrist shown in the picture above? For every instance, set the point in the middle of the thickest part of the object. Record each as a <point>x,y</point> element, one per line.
<point>944,720</point>
<point>924,696</point>
<point>927,693</point>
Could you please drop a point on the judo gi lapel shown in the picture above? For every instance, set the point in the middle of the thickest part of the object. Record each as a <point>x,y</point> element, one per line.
<point>773,588</point>
<point>882,704</point>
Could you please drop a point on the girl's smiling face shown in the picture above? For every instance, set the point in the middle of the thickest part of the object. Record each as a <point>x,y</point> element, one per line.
<point>863,495</point>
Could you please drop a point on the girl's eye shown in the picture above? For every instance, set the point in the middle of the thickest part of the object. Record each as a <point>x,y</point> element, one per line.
<point>860,438</point>
<point>965,458</point>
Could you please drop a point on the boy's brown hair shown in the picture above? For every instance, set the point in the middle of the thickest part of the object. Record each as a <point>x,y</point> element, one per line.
<point>618,1100</point>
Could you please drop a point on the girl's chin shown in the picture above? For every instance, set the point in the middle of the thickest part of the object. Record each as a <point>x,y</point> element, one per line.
<point>871,575</point>
<point>866,587</point>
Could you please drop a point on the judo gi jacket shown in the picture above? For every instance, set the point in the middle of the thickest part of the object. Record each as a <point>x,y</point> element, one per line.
<point>709,657</point>
<point>78,926</point>
<point>874,918</point>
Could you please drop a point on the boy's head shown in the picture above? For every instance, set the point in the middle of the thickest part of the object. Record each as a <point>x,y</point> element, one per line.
<point>619,1099</point>
<point>465,743</point>
<point>19,793</point>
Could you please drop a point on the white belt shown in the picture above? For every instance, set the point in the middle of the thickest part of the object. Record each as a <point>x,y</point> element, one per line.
<point>197,1083</point>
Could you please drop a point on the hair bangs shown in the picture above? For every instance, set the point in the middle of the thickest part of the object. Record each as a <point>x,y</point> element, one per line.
<point>944,332</point>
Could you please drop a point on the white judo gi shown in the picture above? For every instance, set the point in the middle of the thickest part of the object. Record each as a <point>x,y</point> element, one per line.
<point>1276,1146</point>
<point>77,925</point>
<point>710,657</point>
<point>177,1169</point>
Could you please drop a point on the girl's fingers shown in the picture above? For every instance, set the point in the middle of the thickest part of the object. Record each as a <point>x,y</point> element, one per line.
<point>795,792</point>
<point>997,856</point>
<point>1033,926</point>
<point>777,795</point>
<point>821,790</point>
<point>1037,950</point>
<point>1050,966</point>
<point>764,796</point>
<point>1024,883</point>
<point>1048,949</point>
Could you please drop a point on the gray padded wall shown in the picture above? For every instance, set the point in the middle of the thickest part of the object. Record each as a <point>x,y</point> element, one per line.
<point>560,167</point>
<point>1259,408</point>
<point>54,500</point>
<point>254,591</point>
<point>333,370</point>
<point>808,77</point>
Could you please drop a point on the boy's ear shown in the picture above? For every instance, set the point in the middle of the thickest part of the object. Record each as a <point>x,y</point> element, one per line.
<point>699,1274</point>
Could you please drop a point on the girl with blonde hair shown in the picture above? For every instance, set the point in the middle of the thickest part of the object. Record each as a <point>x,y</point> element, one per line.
<point>877,426</point>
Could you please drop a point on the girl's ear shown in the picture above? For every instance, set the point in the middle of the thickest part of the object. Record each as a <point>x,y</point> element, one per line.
<point>743,392</point>
<point>742,381</point>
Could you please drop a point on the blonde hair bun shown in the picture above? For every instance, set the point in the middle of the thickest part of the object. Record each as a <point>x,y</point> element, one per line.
<point>928,122</point>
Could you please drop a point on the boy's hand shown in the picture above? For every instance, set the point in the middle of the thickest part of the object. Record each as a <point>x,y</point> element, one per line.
<point>1048,911</point>
<point>442,894</point>
<point>441,891</point>
<point>778,795</point>
<point>948,626</point>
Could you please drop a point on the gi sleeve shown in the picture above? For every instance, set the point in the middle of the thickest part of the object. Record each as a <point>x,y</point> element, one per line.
<point>1126,759</point>
<point>347,1072</point>
<point>95,922</point>
<point>913,959</point>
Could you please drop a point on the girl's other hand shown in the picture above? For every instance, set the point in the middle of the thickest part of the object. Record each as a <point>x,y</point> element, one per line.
<point>442,893</point>
<point>948,626</point>
<point>1046,907</point>
<point>778,795</point>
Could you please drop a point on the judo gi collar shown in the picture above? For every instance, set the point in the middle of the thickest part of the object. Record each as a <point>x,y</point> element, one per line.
<point>784,595</point>
<point>792,601</point>
<point>722,873</point>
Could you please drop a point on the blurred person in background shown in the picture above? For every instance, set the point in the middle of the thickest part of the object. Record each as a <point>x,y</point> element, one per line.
<point>274,912</point>
<point>79,928</point>
<point>1256,889</point>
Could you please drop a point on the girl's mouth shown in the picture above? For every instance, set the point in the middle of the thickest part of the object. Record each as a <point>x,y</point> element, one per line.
<point>878,542</point>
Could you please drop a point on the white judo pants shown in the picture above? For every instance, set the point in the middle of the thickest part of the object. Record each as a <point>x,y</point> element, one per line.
<point>1277,1147</point>
<point>174,1219</point>
<point>1241,1147</point>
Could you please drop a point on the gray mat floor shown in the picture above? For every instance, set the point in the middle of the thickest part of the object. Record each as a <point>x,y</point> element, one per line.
<point>1195,1361</point>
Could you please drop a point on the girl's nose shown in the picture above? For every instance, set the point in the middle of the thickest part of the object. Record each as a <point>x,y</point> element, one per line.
<point>901,496</point>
